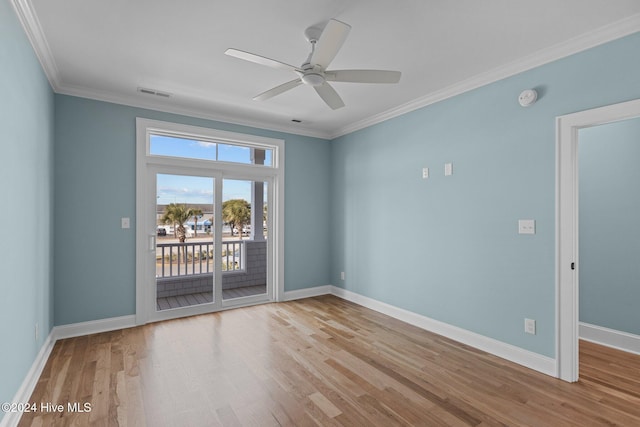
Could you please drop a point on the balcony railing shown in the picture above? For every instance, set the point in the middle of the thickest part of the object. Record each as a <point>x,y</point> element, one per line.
<point>195,258</point>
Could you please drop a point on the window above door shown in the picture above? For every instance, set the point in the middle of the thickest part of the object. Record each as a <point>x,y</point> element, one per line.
<point>162,144</point>
<point>170,142</point>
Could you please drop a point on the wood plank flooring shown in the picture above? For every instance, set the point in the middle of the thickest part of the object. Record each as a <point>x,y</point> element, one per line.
<point>318,361</point>
<point>166,303</point>
<point>244,291</point>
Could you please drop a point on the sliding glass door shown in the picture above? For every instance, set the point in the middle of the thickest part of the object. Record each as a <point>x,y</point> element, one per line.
<point>210,245</point>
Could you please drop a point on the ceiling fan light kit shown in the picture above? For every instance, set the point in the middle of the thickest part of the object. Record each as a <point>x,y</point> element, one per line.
<point>325,44</point>
<point>312,79</point>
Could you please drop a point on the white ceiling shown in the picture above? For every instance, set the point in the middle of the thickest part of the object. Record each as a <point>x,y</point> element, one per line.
<point>107,49</point>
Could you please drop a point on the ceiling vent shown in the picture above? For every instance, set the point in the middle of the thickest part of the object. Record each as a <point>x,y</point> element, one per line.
<point>154,92</point>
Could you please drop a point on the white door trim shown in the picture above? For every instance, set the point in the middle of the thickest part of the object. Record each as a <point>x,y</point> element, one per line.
<point>145,162</point>
<point>567,127</point>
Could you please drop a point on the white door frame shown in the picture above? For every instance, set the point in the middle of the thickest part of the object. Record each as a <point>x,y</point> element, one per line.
<point>145,201</point>
<point>567,316</point>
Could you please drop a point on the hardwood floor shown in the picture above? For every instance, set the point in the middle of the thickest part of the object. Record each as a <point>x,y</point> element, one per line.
<point>319,361</point>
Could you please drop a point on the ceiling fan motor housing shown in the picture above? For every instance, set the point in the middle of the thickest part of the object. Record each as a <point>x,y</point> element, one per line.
<point>311,75</point>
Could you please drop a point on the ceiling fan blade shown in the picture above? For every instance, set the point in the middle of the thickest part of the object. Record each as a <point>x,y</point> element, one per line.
<point>278,90</point>
<point>329,95</point>
<point>363,76</point>
<point>252,57</point>
<point>329,43</point>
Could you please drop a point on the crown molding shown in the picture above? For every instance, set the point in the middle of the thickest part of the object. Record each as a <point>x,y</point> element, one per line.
<point>162,106</point>
<point>572,46</point>
<point>33,30</point>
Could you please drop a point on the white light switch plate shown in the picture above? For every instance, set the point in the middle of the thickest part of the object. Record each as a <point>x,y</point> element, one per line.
<point>448,169</point>
<point>530,326</point>
<point>527,226</point>
<point>125,223</point>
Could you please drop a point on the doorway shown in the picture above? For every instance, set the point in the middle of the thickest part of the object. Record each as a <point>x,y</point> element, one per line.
<point>208,220</point>
<point>567,263</point>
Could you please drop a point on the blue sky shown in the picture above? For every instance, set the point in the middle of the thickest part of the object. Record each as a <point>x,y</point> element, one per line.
<point>194,189</point>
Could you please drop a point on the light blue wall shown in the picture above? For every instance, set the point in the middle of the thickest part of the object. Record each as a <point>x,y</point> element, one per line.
<point>95,187</point>
<point>448,247</point>
<point>26,143</point>
<point>609,227</point>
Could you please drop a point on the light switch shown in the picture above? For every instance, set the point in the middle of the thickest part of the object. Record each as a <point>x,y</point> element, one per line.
<point>448,169</point>
<point>125,223</point>
<point>530,326</point>
<point>526,226</point>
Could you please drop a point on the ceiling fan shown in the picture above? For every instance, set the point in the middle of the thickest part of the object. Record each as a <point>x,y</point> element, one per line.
<point>325,44</point>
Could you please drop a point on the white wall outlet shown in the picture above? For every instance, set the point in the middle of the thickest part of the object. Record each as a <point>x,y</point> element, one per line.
<point>527,226</point>
<point>448,169</point>
<point>125,223</point>
<point>37,332</point>
<point>342,275</point>
<point>425,173</point>
<point>530,326</point>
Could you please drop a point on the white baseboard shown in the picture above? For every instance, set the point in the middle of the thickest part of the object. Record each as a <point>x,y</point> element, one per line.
<point>23,394</point>
<point>93,327</point>
<point>529,359</point>
<point>307,293</point>
<point>610,337</point>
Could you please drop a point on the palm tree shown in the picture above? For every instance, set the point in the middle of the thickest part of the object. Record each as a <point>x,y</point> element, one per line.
<point>197,213</point>
<point>237,213</point>
<point>177,214</point>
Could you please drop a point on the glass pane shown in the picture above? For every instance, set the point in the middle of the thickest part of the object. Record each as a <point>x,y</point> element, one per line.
<point>268,161</point>
<point>234,153</point>
<point>160,145</point>
<point>185,268</point>
<point>244,245</point>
